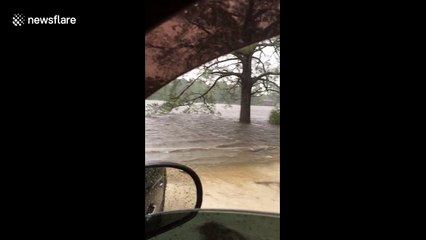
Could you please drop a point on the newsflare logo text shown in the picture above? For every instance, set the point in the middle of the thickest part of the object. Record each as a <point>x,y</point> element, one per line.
<point>19,19</point>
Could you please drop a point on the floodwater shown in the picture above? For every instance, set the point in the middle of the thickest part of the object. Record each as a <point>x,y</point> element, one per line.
<point>238,163</point>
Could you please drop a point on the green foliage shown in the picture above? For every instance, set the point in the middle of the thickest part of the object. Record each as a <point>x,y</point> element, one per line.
<point>176,97</point>
<point>274,117</point>
<point>221,93</point>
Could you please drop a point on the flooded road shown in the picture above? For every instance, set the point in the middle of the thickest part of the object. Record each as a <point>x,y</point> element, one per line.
<point>237,163</point>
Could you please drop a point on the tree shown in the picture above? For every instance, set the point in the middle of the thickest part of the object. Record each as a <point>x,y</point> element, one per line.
<point>255,84</point>
<point>252,70</point>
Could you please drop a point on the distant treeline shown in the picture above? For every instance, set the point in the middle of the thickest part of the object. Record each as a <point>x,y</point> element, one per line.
<point>221,93</point>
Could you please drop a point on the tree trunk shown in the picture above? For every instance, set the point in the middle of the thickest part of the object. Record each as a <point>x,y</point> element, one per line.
<point>245,103</point>
<point>246,86</point>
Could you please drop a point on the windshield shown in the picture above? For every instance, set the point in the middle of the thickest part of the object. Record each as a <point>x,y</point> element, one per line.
<point>213,89</point>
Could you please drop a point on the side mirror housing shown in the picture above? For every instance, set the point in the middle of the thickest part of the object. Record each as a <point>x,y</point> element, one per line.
<point>171,186</point>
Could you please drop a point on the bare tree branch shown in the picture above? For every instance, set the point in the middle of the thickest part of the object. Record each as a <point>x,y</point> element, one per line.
<point>273,90</point>
<point>276,45</point>
<point>211,87</point>
<point>265,81</point>
<point>229,74</point>
<point>265,74</point>
<point>260,61</point>
<point>217,62</point>
<point>273,83</point>
<point>238,82</point>
<point>239,55</point>
<point>257,91</point>
<point>184,90</point>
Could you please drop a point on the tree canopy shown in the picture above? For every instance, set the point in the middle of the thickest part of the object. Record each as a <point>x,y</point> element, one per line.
<point>249,75</point>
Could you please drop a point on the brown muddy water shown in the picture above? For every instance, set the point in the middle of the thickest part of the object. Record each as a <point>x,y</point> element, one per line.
<point>238,163</point>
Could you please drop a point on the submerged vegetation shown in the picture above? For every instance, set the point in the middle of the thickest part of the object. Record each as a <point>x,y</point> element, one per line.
<point>274,117</point>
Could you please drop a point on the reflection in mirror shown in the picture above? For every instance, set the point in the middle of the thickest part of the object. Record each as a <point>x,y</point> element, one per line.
<point>181,192</point>
<point>168,189</point>
<point>155,182</point>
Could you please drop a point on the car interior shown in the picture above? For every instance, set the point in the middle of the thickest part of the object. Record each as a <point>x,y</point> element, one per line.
<point>180,37</point>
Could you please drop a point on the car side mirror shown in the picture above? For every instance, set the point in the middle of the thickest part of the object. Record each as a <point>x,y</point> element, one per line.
<point>171,186</point>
